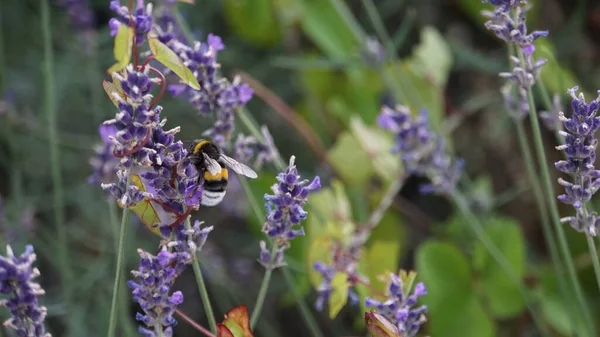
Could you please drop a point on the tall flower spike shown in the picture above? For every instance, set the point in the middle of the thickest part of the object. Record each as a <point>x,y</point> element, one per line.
<point>502,24</point>
<point>217,95</point>
<point>421,150</point>
<point>17,275</point>
<point>104,163</point>
<point>580,149</point>
<point>399,308</point>
<point>151,290</point>
<point>285,211</point>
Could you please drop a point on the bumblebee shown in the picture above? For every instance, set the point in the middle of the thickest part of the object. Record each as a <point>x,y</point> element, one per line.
<point>212,166</point>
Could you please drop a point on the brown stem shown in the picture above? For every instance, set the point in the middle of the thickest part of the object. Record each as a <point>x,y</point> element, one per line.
<point>287,113</point>
<point>195,325</point>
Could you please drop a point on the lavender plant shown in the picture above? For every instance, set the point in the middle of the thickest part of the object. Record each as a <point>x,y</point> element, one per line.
<point>17,283</point>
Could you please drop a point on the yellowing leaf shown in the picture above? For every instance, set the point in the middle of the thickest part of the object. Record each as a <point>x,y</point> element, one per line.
<point>187,1</point>
<point>169,59</point>
<point>319,249</point>
<point>339,294</point>
<point>379,326</point>
<point>122,48</point>
<point>237,323</point>
<point>111,89</point>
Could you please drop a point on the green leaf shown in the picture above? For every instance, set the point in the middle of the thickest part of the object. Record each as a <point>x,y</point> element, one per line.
<point>553,306</point>
<point>326,28</point>
<point>432,57</point>
<point>501,293</point>
<point>349,161</point>
<point>320,249</point>
<point>339,294</point>
<point>454,310</point>
<point>169,59</point>
<point>122,48</point>
<point>378,145</point>
<point>255,21</point>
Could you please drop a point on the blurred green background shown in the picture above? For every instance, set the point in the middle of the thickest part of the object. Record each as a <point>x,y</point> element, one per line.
<point>313,55</point>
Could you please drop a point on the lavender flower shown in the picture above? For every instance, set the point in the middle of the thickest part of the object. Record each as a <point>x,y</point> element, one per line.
<point>525,74</point>
<point>17,275</point>
<point>166,176</point>
<point>373,52</point>
<point>217,94</point>
<point>399,308</point>
<point>518,107</point>
<point>151,290</point>
<point>501,23</point>
<point>104,163</point>
<point>551,118</point>
<point>140,19</point>
<point>247,147</point>
<point>504,5</point>
<point>285,212</point>
<point>580,149</point>
<point>422,151</point>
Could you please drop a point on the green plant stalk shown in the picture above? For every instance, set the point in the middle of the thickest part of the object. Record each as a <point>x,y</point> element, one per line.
<point>57,182</point>
<point>262,293</point>
<point>126,324</point>
<point>550,196</point>
<point>112,322</point>
<point>543,210</point>
<point>592,249</point>
<point>349,20</point>
<point>210,316</point>
<point>2,57</point>
<point>379,26</point>
<point>477,228</point>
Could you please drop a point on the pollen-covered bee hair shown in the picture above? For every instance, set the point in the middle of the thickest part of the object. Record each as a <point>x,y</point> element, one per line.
<point>213,173</point>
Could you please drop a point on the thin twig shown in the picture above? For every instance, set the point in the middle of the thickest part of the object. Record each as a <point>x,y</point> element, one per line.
<point>193,323</point>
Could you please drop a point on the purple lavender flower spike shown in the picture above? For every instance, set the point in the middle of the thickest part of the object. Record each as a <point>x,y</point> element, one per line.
<point>80,15</point>
<point>422,151</point>
<point>526,74</point>
<point>399,308</point>
<point>580,150</point>
<point>501,23</point>
<point>141,19</point>
<point>17,275</point>
<point>285,210</point>
<point>151,289</point>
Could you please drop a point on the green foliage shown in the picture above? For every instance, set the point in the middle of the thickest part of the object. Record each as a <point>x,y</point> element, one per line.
<point>122,48</point>
<point>255,21</point>
<point>497,287</point>
<point>169,59</point>
<point>556,77</point>
<point>339,294</point>
<point>453,305</point>
<point>348,160</point>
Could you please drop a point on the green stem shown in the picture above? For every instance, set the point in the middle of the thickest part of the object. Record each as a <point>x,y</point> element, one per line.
<point>57,183</point>
<point>379,26</point>
<point>497,255</point>
<point>123,299</point>
<point>2,58</point>
<point>305,312</point>
<point>349,20</point>
<point>550,196</point>
<point>262,293</point>
<point>592,249</point>
<point>112,323</point>
<point>210,316</point>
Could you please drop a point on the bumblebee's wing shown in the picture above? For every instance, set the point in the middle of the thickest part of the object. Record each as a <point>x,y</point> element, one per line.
<point>211,165</point>
<point>237,167</point>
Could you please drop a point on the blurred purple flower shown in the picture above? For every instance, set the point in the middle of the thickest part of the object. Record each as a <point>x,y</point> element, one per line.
<point>580,150</point>
<point>518,107</point>
<point>551,118</point>
<point>422,151</point>
<point>285,212</point>
<point>247,147</point>
<point>398,307</point>
<point>80,15</point>
<point>104,163</point>
<point>524,75</point>
<point>17,275</point>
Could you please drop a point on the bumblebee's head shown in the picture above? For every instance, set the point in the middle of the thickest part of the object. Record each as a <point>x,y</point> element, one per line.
<point>208,147</point>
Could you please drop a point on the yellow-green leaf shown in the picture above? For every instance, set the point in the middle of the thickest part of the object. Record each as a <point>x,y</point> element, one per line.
<point>122,48</point>
<point>237,322</point>
<point>110,90</point>
<point>378,145</point>
<point>169,59</point>
<point>319,249</point>
<point>339,294</point>
<point>379,326</point>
